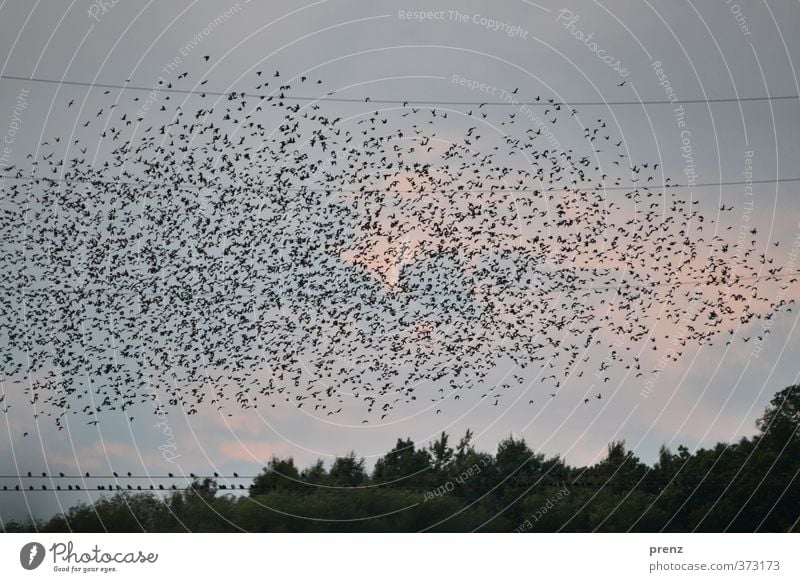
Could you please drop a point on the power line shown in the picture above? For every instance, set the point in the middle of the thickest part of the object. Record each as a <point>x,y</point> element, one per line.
<point>128,476</point>
<point>127,489</point>
<point>404,102</point>
<point>321,190</point>
<point>683,283</point>
<point>622,285</point>
<point>578,481</point>
<point>499,486</point>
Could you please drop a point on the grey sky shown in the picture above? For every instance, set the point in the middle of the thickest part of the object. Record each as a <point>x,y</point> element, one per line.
<point>705,49</point>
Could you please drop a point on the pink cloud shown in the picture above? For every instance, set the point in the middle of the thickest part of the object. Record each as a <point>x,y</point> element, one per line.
<point>252,451</point>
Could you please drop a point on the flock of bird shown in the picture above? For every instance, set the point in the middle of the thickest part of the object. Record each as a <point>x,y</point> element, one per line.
<point>250,249</point>
<point>89,482</point>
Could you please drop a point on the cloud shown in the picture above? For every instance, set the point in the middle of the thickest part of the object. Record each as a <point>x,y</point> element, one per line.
<point>252,451</point>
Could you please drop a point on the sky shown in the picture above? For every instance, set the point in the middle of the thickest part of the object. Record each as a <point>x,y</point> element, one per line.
<point>440,51</point>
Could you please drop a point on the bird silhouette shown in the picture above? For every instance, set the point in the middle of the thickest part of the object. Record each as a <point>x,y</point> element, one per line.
<point>245,250</point>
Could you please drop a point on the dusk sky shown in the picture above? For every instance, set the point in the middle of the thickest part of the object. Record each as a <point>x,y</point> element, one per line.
<point>586,52</point>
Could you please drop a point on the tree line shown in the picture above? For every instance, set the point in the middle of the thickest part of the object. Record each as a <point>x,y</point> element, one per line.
<point>746,486</point>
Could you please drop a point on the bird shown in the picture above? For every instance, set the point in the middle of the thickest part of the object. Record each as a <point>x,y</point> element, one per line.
<point>283,251</point>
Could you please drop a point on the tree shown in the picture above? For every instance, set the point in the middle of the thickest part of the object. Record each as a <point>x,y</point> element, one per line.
<point>403,464</point>
<point>749,485</point>
<point>465,446</point>
<point>348,471</point>
<point>620,470</point>
<point>516,461</point>
<point>780,423</point>
<point>441,453</point>
<point>278,474</point>
<point>206,489</point>
<point>316,474</point>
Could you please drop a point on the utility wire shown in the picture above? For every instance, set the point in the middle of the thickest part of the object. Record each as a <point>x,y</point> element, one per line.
<point>732,279</point>
<point>404,102</point>
<point>317,189</point>
<point>501,486</point>
<point>128,476</point>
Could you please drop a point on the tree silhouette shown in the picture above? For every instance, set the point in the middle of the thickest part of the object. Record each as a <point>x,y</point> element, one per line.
<point>278,474</point>
<point>749,485</point>
<point>348,471</point>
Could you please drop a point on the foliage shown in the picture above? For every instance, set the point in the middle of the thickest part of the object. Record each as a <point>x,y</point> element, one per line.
<point>750,485</point>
